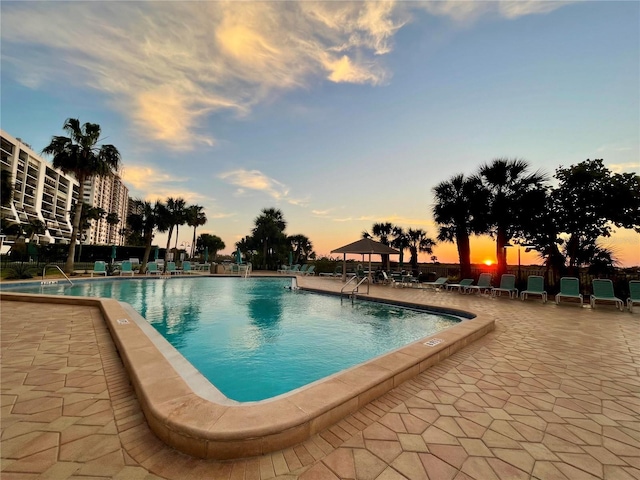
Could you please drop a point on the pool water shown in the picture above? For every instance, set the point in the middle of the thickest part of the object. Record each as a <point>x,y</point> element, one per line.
<point>254,338</point>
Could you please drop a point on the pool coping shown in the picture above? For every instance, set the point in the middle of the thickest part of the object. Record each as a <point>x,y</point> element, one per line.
<point>206,428</point>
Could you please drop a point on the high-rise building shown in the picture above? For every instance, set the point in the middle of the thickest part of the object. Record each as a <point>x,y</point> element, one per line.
<point>40,192</point>
<point>110,194</point>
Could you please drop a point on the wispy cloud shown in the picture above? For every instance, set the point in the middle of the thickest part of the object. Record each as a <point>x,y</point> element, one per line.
<point>257,181</point>
<point>150,183</point>
<point>168,65</point>
<point>624,167</point>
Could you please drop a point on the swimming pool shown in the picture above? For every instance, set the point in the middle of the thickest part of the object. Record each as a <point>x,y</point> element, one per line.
<point>253,338</point>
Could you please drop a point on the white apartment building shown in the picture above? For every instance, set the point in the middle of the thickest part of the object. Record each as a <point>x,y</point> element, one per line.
<point>40,191</point>
<point>110,194</point>
<point>46,194</point>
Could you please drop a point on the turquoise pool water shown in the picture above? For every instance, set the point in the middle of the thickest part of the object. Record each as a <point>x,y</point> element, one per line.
<point>254,338</point>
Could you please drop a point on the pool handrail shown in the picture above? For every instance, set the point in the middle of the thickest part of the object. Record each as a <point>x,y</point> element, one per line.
<point>44,271</point>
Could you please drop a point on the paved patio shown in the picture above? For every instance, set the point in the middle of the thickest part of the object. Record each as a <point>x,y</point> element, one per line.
<point>553,392</point>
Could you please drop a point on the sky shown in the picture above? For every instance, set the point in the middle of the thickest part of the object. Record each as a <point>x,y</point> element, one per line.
<point>340,114</point>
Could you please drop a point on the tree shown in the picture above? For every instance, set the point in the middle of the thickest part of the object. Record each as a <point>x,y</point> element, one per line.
<point>212,242</point>
<point>80,155</point>
<point>589,201</point>
<point>269,233</point>
<point>302,248</point>
<point>514,195</point>
<point>400,241</point>
<point>151,218</point>
<point>173,214</point>
<point>418,242</point>
<point>459,211</point>
<point>112,220</point>
<point>195,218</point>
<point>382,232</point>
<point>89,215</point>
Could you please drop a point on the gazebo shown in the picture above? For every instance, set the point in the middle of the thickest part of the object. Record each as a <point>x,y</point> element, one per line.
<point>362,247</point>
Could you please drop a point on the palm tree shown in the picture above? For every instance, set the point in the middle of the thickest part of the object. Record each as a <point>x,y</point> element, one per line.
<point>172,215</point>
<point>511,190</point>
<point>302,247</point>
<point>418,242</point>
<point>80,155</point>
<point>152,217</point>
<point>459,210</point>
<point>195,218</point>
<point>401,242</point>
<point>269,231</point>
<point>381,231</point>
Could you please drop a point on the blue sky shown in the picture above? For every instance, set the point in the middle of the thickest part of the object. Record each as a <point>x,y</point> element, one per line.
<point>339,114</point>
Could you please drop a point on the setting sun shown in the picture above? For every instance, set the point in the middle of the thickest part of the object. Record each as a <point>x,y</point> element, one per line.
<point>488,262</point>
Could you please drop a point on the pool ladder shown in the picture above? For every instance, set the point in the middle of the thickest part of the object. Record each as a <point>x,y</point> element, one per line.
<point>44,271</point>
<point>355,290</point>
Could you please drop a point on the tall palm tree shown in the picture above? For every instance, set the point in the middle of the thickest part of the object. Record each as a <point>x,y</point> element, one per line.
<point>80,155</point>
<point>511,189</point>
<point>418,242</point>
<point>400,241</point>
<point>459,211</point>
<point>269,231</point>
<point>151,218</point>
<point>172,213</point>
<point>302,247</point>
<point>382,232</point>
<point>195,218</point>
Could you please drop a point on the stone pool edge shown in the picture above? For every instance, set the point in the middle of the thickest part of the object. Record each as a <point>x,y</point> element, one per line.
<point>206,429</point>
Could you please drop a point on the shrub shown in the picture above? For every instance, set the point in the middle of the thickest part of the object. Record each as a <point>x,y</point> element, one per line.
<point>19,271</point>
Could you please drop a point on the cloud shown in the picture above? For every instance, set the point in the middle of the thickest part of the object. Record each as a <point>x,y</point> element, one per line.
<point>255,180</point>
<point>150,183</point>
<point>628,167</point>
<point>469,11</point>
<point>166,66</point>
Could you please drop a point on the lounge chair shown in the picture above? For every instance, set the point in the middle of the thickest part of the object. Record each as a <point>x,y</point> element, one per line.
<point>634,294</point>
<point>569,288</point>
<point>484,284</point>
<point>186,267</point>
<point>284,269</point>
<point>100,268</point>
<point>126,268</point>
<point>152,268</point>
<point>295,268</point>
<point>464,283</point>
<point>535,286</point>
<point>310,271</point>
<point>437,285</point>
<point>337,272</point>
<point>303,269</point>
<point>603,292</point>
<point>507,285</point>
<point>171,268</point>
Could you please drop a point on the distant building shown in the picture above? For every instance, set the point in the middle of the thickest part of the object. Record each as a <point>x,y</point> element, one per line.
<point>40,191</point>
<point>110,194</point>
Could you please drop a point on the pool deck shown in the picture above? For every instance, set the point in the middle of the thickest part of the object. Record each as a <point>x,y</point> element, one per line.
<point>552,392</point>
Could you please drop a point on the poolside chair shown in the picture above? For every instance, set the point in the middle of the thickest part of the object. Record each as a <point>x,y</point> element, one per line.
<point>603,292</point>
<point>569,288</point>
<point>186,267</point>
<point>437,285</point>
<point>634,294</point>
<point>337,272</point>
<point>465,282</point>
<point>171,268</point>
<point>295,268</point>
<point>484,284</point>
<point>303,269</point>
<point>284,269</point>
<point>152,268</point>
<point>126,268</point>
<point>310,271</point>
<point>535,286</point>
<point>99,267</point>
<point>507,285</point>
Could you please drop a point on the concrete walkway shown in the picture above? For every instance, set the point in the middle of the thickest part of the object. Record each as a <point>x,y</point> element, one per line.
<point>553,392</point>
